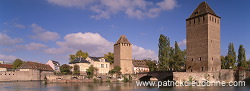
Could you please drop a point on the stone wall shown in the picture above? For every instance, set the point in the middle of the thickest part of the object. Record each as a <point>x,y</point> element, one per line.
<point>223,75</point>
<point>30,75</point>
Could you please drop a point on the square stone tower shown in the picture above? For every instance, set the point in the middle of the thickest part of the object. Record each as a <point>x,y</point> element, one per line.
<point>123,55</point>
<point>203,40</point>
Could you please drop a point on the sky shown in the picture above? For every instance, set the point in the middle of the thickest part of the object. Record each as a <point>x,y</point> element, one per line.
<point>42,30</point>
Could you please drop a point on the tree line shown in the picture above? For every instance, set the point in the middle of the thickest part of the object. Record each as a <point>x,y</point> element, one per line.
<point>170,58</point>
<point>231,61</point>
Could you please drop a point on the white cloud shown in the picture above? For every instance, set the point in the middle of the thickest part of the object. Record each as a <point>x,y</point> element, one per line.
<point>94,44</point>
<point>5,40</point>
<point>19,26</point>
<point>167,4</point>
<point>7,57</point>
<point>43,34</point>
<point>71,3</point>
<point>14,24</point>
<point>182,43</point>
<point>32,46</point>
<point>141,53</point>
<point>132,8</point>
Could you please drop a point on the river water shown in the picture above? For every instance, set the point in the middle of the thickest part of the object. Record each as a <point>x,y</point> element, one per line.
<point>39,86</point>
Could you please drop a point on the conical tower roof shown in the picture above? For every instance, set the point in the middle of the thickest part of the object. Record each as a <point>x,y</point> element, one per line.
<point>202,9</point>
<point>123,39</point>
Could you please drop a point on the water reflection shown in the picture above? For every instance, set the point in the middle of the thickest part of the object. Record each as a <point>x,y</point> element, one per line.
<point>38,86</point>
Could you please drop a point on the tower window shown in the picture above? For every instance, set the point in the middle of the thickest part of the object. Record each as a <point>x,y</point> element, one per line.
<point>200,58</point>
<point>194,21</point>
<point>203,18</point>
<point>196,13</point>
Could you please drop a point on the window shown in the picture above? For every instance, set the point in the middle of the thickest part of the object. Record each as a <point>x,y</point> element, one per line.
<point>194,21</point>
<point>202,68</point>
<point>203,18</point>
<point>102,65</point>
<point>212,58</point>
<point>200,58</point>
<point>192,59</point>
<point>196,13</point>
<point>106,65</point>
<point>210,18</point>
<point>191,70</point>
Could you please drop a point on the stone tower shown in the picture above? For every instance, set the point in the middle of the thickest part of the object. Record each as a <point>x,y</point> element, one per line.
<point>123,55</point>
<point>203,40</point>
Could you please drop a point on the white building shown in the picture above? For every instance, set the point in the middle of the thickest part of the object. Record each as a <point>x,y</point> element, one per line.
<point>140,66</point>
<point>102,64</point>
<point>54,65</point>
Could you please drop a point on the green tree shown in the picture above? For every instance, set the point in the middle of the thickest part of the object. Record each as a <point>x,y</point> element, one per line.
<point>164,52</point>
<point>248,64</point>
<point>79,53</point>
<point>231,57</point>
<point>151,64</point>
<point>116,70</point>
<point>223,62</point>
<point>110,57</point>
<point>76,70</point>
<point>178,58</point>
<point>65,69</point>
<point>17,63</point>
<point>172,62</point>
<point>92,71</point>
<point>242,57</point>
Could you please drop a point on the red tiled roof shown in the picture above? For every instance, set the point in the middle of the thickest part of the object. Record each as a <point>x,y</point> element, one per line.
<point>139,63</point>
<point>8,66</point>
<point>34,65</point>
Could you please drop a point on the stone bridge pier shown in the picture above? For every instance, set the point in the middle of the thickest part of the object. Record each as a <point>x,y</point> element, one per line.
<point>160,75</point>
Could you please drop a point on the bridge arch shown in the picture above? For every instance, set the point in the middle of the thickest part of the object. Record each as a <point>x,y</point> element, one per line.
<point>160,75</point>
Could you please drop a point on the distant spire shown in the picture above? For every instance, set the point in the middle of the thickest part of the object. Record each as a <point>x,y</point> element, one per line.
<point>203,8</point>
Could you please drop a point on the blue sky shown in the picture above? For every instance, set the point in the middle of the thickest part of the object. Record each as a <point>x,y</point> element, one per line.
<point>41,30</point>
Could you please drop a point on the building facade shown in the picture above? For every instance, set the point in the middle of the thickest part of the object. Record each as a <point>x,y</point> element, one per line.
<point>140,66</point>
<point>82,63</point>
<point>123,55</point>
<point>100,63</point>
<point>54,65</point>
<point>203,40</point>
<point>5,67</point>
